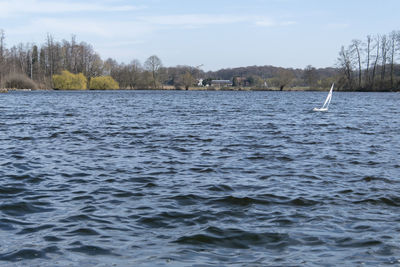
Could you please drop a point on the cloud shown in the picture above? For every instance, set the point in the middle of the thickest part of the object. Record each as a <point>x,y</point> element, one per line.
<point>83,27</point>
<point>202,20</point>
<point>193,19</point>
<point>129,30</point>
<point>267,22</point>
<point>20,7</point>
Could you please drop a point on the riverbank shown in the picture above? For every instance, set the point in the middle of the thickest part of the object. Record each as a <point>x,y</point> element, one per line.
<point>173,88</point>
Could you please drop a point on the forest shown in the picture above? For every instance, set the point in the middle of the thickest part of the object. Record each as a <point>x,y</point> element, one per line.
<point>363,65</point>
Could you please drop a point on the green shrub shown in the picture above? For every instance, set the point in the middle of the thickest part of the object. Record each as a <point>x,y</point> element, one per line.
<point>68,81</point>
<point>103,83</point>
<point>19,81</point>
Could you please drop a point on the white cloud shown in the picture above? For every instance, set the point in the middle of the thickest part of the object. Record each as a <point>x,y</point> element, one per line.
<point>201,20</point>
<point>194,19</point>
<point>84,27</point>
<point>128,31</point>
<point>267,22</point>
<point>19,7</point>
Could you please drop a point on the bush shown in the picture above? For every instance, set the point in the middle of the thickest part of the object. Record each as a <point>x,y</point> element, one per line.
<point>19,81</point>
<point>103,83</point>
<point>68,81</point>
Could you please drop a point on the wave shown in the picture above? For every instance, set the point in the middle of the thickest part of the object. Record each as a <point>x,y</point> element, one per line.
<point>22,208</point>
<point>92,250</point>
<point>378,179</point>
<point>262,200</point>
<point>393,201</point>
<point>237,238</point>
<point>28,254</point>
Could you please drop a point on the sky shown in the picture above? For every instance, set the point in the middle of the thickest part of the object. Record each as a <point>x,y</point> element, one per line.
<point>213,33</point>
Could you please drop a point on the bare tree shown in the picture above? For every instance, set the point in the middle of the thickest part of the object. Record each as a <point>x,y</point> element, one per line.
<point>43,67</point>
<point>377,47</point>
<point>110,66</point>
<point>50,57</point>
<point>310,76</point>
<point>74,55</point>
<point>153,64</point>
<point>393,43</point>
<point>187,79</point>
<point>368,60</point>
<point>356,49</point>
<point>345,65</point>
<point>94,66</point>
<point>2,59</point>
<point>35,63</point>
<point>384,51</point>
<point>135,70</point>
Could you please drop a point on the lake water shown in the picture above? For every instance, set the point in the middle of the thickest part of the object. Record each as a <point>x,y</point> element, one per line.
<point>193,178</point>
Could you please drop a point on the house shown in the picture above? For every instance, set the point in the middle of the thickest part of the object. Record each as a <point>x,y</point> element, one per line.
<point>221,83</point>
<point>240,81</point>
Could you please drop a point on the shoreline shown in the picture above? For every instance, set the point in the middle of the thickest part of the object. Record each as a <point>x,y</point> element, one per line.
<point>291,89</point>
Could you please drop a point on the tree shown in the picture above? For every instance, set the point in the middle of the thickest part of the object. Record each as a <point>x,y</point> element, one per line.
<point>2,58</point>
<point>393,43</point>
<point>50,54</point>
<point>377,46</point>
<point>345,65</point>
<point>187,80</point>
<point>43,67</point>
<point>110,66</point>
<point>68,81</point>
<point>153,64</point>
<point>384,54</point>
<point>284,78</point>
<point>368,60</point>
<point>310,76</point>
<point>93,65</point>
<point>135,70</point>
<point>35,64</point>
<point>356,49</point>
<point>103,83</point>
<point>146,81</point>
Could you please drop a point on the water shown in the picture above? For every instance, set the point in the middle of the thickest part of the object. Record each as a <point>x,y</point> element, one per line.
<point>157,178</point>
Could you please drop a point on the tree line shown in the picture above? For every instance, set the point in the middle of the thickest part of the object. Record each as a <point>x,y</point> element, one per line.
<point>370,64</point>
<point>36,65</point>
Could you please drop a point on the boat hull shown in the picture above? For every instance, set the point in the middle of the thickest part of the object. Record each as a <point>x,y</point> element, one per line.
<point>320,109</point>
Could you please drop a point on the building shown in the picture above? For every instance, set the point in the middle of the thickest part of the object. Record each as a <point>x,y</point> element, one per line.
<point>221,83</point>
<point>240,81</point>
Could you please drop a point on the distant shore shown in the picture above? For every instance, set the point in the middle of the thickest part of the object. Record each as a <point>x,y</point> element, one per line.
<point>172,88</point>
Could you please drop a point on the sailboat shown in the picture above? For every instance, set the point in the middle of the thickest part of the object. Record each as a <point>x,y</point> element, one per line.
<point>327,101</point>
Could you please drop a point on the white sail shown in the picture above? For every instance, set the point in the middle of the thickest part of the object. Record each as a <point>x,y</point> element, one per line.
<point>327,101</point>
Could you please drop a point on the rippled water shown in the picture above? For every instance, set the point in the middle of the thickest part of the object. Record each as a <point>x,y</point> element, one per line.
<point>157,178</point>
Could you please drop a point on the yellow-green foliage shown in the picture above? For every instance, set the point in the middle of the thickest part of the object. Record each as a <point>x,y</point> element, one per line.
<point>103,83</point>
<point>68,81</point>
